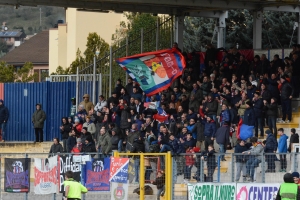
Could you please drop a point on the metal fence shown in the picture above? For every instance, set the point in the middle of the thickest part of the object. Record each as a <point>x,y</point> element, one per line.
<point>186,169</point>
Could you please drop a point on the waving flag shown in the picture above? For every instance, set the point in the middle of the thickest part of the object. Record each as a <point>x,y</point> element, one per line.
<point>154,71</point>
<point>161,115</point>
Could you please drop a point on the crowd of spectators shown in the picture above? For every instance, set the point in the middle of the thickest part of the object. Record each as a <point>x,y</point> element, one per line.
<point>204,105</point>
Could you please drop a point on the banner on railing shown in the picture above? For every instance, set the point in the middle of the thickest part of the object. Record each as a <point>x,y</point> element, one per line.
<point>119,170</point>
<point>119,191</point>
<point>233,191</point>
<point>250,191</point>
<point>45,175</point>
<point>17,178</point>
<point>97,175</point>
<point>66,164</point>
<point>206,191</point>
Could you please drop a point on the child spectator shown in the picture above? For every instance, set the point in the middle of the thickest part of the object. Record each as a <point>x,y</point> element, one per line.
<point>240,160</point>
<point>294,139</point>
<point>160,183</point>
<point>210,157</point>
<point>282,148</point>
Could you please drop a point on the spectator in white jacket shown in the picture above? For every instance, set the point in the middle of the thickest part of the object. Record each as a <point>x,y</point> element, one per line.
<point>100,104</point>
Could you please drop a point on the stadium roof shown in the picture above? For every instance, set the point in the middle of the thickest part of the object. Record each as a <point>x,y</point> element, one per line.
<point>174,7</point>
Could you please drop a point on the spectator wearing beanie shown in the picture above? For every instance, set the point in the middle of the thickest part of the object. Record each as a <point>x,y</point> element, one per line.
<point>296,178</point>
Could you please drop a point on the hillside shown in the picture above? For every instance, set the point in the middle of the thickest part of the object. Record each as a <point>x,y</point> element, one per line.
<point>28,18</point>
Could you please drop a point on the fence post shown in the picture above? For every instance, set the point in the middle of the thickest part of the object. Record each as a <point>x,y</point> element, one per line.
<point>157,33</point>
<point>77,87</point>
<point>94,81</point>
<point>169,174</point>
<point>142,177</point>
<point>142,40</point>
<point>232,167</point>
<point>100,85</point>
<point>219,168</point>
<point>110,69</point>
<point>201,170</point>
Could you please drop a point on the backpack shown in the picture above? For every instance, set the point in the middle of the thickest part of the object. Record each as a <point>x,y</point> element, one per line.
<point>154,148</point>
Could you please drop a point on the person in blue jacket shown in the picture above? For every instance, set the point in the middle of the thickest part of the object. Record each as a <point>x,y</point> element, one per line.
<point>282,148</point>
<point>209,132</point>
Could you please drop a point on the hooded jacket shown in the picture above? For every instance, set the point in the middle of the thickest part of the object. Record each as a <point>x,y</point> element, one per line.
<point>294,139</point>
<point>249,117</point>
<point>38,117</point>
<point>104,143</point>
<point>56,148</point>
<point>282,144</point>
<point>271,143</point>
<point>4,113</point>
<point>209,128</point>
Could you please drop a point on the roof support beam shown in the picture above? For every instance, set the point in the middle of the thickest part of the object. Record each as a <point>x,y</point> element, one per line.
<point>283,8</point>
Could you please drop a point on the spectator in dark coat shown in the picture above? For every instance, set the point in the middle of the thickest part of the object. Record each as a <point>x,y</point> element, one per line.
<point>71,142</point>
<point>56,147</point>
<point>225,115</point>
<point>250,90</point>
<point>272,113</point>
<point>249,115</point>
<point>265,93</point>
<point>209,132</point>
<point>258,107</point>
<point>294,139</point>
<point>114,140</point>
<point>4,115</point>
<point>129,86</point>
<point>185,103</point>
<point>89,146</point>
<point>211,107</point>
<point>273,86</point>
<point>138,147</point>
<point>222,138</point>
<point>211,162</point>
<point>65,129</point>
<point>123,112</point>
<point>286,92</point>
<point>270,147</point>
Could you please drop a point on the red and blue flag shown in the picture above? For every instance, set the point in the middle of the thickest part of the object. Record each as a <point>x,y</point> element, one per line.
<point>154,71</point>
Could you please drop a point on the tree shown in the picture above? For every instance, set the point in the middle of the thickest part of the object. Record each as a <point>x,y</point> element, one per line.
<point>3,47</point>
<point>25,73</point>
<point>6,73</point>
<point>95,43</point>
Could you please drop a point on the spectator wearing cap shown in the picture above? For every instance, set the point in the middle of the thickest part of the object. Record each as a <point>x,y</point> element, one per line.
<point>135,93</point>
<point>294,139</point>
<point>87,104</point>
<point>222,138</point>
<point>258,107</point>
<point>296,177</point>
<point>272,113</point>
<point>240,159</point>
<point>288,189</point>
<point>249,115</point>
<point>282,148</point>
<point>270,148</point>
<point>286,92</point>
<point>101,103</point>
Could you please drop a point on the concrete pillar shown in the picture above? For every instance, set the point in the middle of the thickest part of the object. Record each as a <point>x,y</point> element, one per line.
<point>221,29</point>
<point>257,30</point>
<point>179,27</point>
